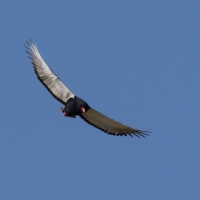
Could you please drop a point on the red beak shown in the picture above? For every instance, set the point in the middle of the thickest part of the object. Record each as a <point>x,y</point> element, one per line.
<point>65,114</point>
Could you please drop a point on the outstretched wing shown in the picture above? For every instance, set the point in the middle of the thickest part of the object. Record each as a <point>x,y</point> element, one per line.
<point>109,125</point>
<point>46,76</point>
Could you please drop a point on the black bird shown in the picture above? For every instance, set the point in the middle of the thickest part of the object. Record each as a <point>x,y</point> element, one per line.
<point>74,105</point>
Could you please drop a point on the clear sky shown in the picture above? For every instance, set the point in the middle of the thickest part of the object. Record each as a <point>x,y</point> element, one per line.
<point>135,61</point>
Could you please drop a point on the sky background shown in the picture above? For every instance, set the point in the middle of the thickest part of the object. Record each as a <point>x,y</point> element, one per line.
<point>135,61</point>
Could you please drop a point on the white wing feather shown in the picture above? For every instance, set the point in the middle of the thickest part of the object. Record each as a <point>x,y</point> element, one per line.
<point>47,77</point>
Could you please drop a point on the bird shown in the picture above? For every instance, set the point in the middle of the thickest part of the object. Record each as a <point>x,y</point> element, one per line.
<point>73,105</point>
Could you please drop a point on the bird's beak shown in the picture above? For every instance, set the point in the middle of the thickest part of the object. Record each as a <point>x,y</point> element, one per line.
<point>64,113</point>
<point>83,109</point>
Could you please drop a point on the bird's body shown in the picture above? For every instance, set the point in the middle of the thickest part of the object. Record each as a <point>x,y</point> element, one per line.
<point>74,105</point>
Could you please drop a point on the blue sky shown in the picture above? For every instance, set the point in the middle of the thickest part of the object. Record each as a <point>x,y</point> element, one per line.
<point>135,61</point>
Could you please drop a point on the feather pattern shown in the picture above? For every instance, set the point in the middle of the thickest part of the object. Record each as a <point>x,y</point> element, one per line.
<point>109,125</point>
<point>47,77</point>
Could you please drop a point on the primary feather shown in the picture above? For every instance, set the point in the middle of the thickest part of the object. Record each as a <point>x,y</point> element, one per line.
<point>47,77</point>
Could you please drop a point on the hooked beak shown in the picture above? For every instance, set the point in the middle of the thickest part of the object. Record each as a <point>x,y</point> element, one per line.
<point>64,113</point>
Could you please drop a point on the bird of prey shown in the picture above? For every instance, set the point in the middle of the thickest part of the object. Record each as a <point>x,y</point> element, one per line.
<point>74,105</point>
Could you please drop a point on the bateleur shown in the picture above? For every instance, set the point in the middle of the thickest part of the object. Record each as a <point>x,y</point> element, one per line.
<point>74,105</point>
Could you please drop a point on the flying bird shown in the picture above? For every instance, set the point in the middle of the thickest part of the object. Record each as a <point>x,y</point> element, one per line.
<point>74,105</point>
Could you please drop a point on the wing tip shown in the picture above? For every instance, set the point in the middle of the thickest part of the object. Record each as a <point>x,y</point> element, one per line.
<point>120,131</point>
<point>137,133</point>
<point>31,46</point>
